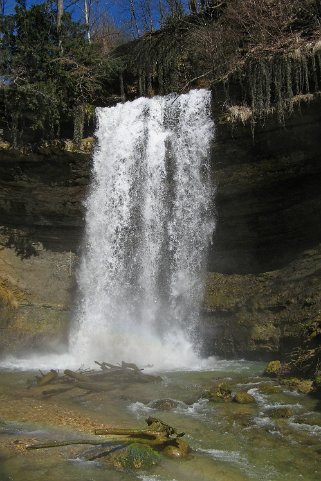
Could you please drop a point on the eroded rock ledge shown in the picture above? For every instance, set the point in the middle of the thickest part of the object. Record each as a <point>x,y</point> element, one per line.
<point>264,315</point>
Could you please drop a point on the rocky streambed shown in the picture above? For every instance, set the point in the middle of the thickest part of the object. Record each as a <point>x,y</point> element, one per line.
<point>238,424</point>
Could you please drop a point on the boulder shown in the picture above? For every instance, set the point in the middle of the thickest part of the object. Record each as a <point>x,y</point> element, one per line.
<point>219,393</point>
<point>164,404</point>
<point>243,397</point>
<point>180,450</point>
<point>280,413</point>
<point>273,369</point>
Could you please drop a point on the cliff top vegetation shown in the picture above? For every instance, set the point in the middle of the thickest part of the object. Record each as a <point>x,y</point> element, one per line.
<point>55,69</point>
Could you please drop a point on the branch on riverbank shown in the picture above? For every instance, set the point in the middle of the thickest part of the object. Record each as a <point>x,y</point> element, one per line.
<point>158,435</point>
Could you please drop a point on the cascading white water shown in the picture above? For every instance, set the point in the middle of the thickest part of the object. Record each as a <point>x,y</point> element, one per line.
<point>148,227</point>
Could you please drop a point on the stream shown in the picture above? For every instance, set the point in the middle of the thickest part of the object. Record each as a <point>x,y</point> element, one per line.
<point>229,441</point>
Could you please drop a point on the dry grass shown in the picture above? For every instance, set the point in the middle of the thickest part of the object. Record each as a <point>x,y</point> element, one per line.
<point>9,295</point>
<point>239,113</point>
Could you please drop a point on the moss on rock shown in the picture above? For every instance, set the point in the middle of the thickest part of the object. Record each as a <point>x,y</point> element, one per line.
<point>133,457</point>
<point>303,386</point>
<point>280,413</point>
<point>243,397</point>
<point>273,369</point>
<point>219,393</point>
<point>268,388</point>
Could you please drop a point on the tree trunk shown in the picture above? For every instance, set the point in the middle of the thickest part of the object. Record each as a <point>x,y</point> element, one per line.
<point>87,19</point>
<point>60,12</point>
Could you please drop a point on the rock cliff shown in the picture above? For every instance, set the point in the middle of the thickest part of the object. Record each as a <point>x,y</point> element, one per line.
<point>264,265</point>
<point>41,214</point>
<point>263,289</point>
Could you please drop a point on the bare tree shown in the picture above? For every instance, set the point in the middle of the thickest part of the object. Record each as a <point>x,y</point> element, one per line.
<point>105,33</point>
<point>60,12</point>
<point>133,18</point>
<point>146,11</point>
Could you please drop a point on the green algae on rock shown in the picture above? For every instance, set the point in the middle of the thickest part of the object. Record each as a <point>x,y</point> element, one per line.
<point>135,456</point>
<point>243,397</point>
<point>280,413</point>
<point>219,393</point>
<point>273,369</point>
<point>303,386</point>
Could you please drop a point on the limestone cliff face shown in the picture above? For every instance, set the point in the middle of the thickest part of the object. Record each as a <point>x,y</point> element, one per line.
<point>268,199</point>
<point>262,292</point>
<point>264,265</point>
<point>41,218</point>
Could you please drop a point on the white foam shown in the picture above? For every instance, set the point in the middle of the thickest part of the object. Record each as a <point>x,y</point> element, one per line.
<point>148,228</point>
<point>234,457</point>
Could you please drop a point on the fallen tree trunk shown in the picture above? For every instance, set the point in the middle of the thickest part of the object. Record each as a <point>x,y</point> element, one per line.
<point>54,391</point>
<point>56,444</point>
<point>159,436</point>
<point>76,375</point>
<point>48,378</point>
<point>93,386</point>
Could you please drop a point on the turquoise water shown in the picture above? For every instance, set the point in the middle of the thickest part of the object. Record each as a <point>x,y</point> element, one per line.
<point>229,441</point>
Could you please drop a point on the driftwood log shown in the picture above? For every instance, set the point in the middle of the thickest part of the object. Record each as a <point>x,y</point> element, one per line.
<point>47,378</point>
<point>93,381</point>
<point>158,435</point>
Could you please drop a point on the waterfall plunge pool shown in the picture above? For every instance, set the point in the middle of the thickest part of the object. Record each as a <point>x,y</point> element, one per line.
<point>229,441</point>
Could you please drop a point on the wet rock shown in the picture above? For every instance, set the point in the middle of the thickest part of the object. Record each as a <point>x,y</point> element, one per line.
<point>243,416</point>
<point>268,388</point>
<point>312,419</point>
<point>180,450</point>
<point>273,369</point>
<point>164,404</point>
<point>219,393</point>
<point>280,413</point>
<point>303,386</point>
<point>243,397</point>
<point>317,384</point>
<point>134,456</point>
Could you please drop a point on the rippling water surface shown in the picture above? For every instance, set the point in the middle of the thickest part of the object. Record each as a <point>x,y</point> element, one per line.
<point>230,442</point>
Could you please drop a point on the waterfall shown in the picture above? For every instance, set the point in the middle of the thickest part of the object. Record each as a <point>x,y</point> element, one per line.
<point>147,230</point>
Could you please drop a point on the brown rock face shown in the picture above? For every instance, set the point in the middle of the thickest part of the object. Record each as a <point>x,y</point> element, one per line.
<point>41,222</point>
<point>263,288</point>
<point>268,199</point>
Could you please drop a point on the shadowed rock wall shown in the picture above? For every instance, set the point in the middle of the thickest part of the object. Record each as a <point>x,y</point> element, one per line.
<point>262,294</point>
<point>268,200</point>
<point>41,217</point>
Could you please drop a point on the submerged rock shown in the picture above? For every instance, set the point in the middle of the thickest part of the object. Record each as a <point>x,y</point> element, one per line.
<point>164,404</point>
<point>311,419</point>
<point>243,397</point>
<point>280,413</point>
<point>268,388</point>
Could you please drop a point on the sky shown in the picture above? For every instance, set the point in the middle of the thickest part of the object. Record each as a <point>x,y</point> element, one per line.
<point>118,10</point>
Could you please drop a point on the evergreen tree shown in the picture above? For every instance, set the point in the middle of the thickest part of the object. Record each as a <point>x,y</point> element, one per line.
<point>47,74</point>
